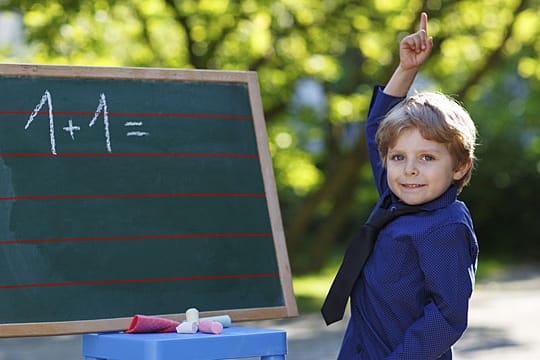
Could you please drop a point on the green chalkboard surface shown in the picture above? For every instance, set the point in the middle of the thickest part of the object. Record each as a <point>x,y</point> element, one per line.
<point>130,191</point>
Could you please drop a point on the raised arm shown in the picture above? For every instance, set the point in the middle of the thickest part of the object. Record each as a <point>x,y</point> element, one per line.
<point>414,50</point>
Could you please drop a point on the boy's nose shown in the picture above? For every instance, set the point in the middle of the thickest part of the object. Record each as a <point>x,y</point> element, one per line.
<point>411,169</point>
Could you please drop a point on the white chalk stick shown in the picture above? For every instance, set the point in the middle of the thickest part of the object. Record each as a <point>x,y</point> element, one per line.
<point>187,327</point>
<point>192,315</point>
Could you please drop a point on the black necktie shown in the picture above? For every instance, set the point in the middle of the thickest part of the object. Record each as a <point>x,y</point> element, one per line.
<point>355,257</point>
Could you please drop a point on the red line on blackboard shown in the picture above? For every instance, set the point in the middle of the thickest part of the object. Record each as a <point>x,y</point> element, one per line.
<point>218,116</point>
<point>124,196</point>
<point>87,113</point>
<point>127,281</point>
<point>134,155</point>
<point>124,238</point>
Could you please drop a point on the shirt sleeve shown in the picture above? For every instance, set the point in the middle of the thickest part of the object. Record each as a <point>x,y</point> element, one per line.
<point>381,104</point>
<point>449,266</point>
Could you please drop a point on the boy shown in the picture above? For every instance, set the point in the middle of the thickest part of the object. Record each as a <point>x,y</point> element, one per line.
<point>411,299</point>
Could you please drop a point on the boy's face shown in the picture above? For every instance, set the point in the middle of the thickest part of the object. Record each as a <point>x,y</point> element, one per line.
<point>420,170</point>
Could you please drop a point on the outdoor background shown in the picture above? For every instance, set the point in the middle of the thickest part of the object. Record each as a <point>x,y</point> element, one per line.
<point>317,62</point>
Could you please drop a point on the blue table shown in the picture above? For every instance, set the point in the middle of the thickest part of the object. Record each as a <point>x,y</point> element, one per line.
<point>233,342</point>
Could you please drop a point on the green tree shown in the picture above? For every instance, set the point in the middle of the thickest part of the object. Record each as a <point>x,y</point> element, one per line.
<point>486,54</point>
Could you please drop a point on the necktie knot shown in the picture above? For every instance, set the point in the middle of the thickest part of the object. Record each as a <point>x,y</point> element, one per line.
<point>382,216</point>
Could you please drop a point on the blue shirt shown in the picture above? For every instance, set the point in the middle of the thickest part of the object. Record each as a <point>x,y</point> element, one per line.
<point>412,299</point>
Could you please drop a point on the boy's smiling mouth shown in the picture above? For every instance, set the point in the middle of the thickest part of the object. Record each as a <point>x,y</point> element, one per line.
<point>413,186</point>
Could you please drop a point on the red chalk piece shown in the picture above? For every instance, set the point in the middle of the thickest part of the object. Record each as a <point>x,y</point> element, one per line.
<point>151,324</point>
<point>210,327</point>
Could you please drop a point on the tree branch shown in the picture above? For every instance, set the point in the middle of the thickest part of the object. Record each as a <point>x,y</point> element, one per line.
<point>495,57</point>
<point>147,37</point>
<point>346,169</point>
<point>183,21</point>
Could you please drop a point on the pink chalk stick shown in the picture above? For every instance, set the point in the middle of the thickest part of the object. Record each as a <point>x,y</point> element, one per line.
<point>210,327</point>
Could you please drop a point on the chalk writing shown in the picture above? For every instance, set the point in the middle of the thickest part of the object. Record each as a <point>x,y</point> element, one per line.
<point>135,133</point>
<point>102,107</point>
<point>45,98</point>
<point>72,129</point>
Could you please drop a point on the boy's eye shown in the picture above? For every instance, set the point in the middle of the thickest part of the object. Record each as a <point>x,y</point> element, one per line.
<point>397,157</point>
<point>428,157</point>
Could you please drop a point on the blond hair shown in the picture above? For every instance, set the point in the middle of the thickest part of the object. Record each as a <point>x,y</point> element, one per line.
<point>438,118</point>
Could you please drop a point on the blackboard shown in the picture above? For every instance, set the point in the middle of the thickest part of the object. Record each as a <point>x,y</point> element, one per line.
<point>130,191</point>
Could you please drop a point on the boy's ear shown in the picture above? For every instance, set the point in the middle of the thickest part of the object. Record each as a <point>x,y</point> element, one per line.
<point>462,169</point>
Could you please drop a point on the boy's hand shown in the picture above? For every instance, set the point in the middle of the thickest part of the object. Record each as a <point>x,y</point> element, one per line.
<point>413,52</point>
<point>414,49</point>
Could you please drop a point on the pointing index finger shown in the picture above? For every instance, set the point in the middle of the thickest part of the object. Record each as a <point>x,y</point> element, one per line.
<point>423,22</point>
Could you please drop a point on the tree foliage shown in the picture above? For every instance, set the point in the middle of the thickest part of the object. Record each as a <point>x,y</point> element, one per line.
<point>317,61</point>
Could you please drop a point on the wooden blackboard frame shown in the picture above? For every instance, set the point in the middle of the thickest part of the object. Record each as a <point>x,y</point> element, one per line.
<point>113,73</point>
